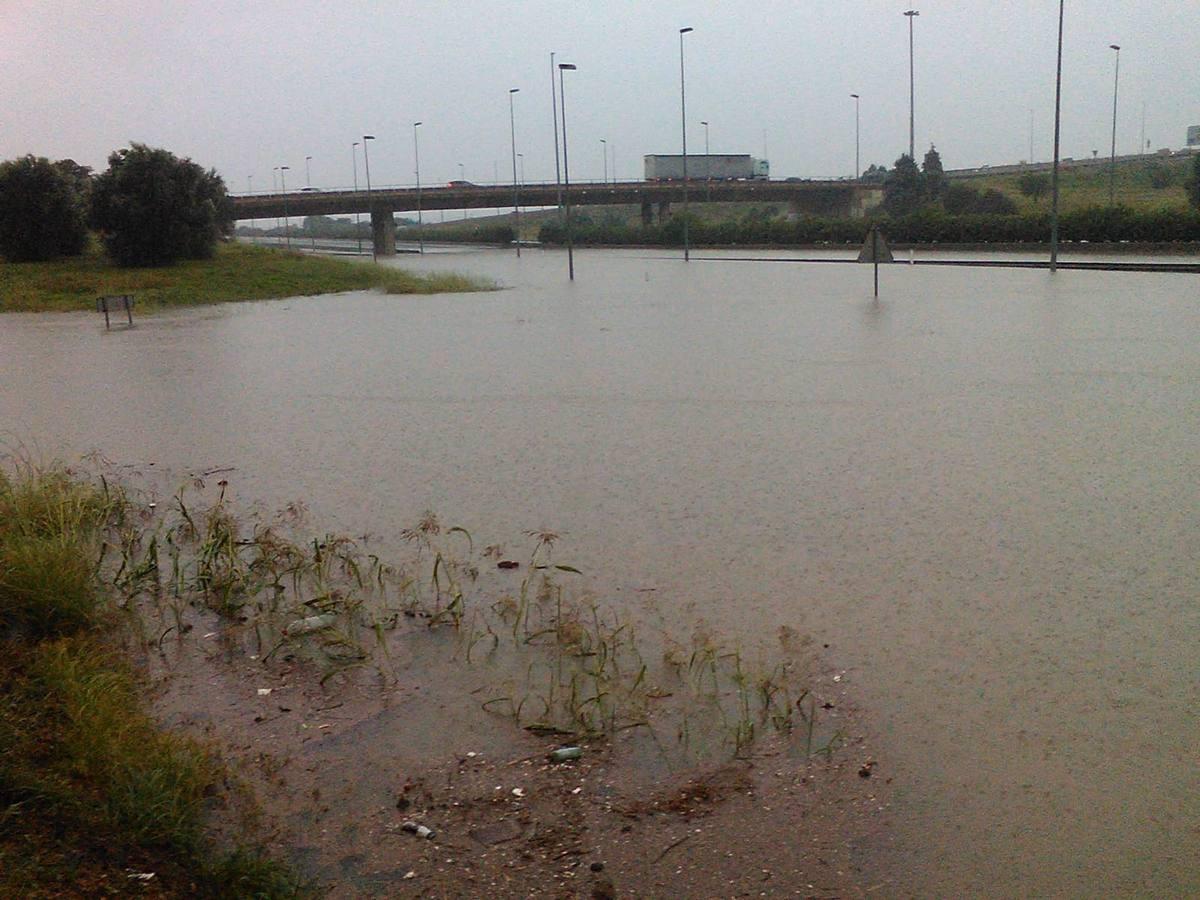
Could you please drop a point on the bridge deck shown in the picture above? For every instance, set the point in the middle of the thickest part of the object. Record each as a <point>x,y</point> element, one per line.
<point>830,197</point>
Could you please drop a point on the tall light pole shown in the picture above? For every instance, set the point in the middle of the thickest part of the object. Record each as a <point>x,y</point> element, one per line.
<point>857,165</point>
<point>912,14</point>
<point>417,160</point>
<point>357,215</point>
<point>1057,122</point>
<point>1031,137</point>
<point>253,222</point>
<point>512,130</point>
<point>707,166</point>
<point>274,189</point>
<point>554,101</point>
<point>683,126</point>
<point>521,161</point>
<point>462,176</point>
<point>604,156</point>
<point>370,204</point>
<point>308,184</point>
<point>566,67</point>
<point>287,225</point>
<point>1112,160</point>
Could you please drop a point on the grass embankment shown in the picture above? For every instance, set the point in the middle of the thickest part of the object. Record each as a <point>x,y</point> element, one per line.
<point>92,793</point>
<point>1148,185</point>
<point>237,272</point>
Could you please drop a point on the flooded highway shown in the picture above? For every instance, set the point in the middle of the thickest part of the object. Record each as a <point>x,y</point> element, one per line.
<point>980,491</point>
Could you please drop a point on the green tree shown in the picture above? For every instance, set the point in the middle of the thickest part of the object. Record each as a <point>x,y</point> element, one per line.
<point>1194,184</point>
<point>153,208</point>
<point>960,199</point>
<point>933,175</point>
<point>1034,185</point>
<point>903,190</point>
<point>42,210</point>
<point>875,174</point>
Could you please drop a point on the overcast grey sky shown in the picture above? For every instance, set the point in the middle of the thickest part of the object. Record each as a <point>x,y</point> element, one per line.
<point>246,85</point>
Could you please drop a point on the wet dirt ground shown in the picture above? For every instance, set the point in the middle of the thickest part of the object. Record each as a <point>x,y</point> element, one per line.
<point>338,769</point>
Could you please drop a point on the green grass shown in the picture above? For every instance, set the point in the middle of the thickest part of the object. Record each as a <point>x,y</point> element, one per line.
<point>237,272</point>
<point>90,787</point>
<point>1082,187</point>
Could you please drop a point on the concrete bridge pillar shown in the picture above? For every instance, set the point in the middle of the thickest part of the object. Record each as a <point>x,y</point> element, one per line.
<point>383,232</point>
<point>647,212</point>
<point>664,210</point>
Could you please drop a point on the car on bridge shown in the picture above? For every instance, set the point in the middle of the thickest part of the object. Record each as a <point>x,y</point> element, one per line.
<point>461,184</point>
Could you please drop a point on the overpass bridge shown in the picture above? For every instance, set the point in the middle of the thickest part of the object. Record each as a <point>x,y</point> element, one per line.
<point>850,199</point>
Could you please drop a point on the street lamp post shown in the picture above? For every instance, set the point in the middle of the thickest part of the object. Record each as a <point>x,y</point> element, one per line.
<point>912,14</point>
<point>857,164</point>
<point>275,189</point>
<point>707,166</point>
<point>417,160</point>
<point>1112,160</point>
<point>554,102</point>
<point>253,222</point>
<point>462,177</point>
<point>287,225</point>
<point>683,126</point>
<point>604,157</point>
<point>1057,122</point>
<point>370,204</point>
<point>357,215</point>
<point>512,130</point>
<point>521,162</point>
<point>566,194</point>
<point>312,238</point>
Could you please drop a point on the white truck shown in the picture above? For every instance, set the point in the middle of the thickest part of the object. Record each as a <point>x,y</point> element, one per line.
<point>705,167</point>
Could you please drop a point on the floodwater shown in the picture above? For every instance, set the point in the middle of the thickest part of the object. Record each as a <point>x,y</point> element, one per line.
<point>980,491</point>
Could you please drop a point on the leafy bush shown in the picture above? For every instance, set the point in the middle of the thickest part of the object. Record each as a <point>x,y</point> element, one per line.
<point>153,208</point>
<point>995,203</point>
<point>1034,185</point>
<point>42,209</point>
<point>1160,176</point>
<point>463,234</point>
<point>1194,183</point>
<point>904,189</point>
<point>960,198</point>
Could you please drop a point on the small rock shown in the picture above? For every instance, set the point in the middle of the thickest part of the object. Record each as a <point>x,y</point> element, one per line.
<point>508,564</point>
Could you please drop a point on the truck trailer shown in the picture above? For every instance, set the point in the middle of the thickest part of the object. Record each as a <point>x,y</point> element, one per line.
<point>706,167</point>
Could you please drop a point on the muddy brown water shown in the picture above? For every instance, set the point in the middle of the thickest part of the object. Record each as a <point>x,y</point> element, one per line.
<point>980,491</point>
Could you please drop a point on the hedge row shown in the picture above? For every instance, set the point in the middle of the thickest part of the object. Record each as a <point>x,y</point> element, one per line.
<point>468,234</point>
<point>1097,224</point>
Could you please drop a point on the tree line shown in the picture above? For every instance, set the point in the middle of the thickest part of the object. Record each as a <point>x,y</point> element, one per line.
<point>920,206</point>
<point>148,208</point>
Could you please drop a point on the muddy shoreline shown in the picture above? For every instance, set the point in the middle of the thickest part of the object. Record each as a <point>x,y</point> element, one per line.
<point>338,769</point>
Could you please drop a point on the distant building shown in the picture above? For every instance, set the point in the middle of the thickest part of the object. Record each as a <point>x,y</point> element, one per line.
<point>1193,136</point>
